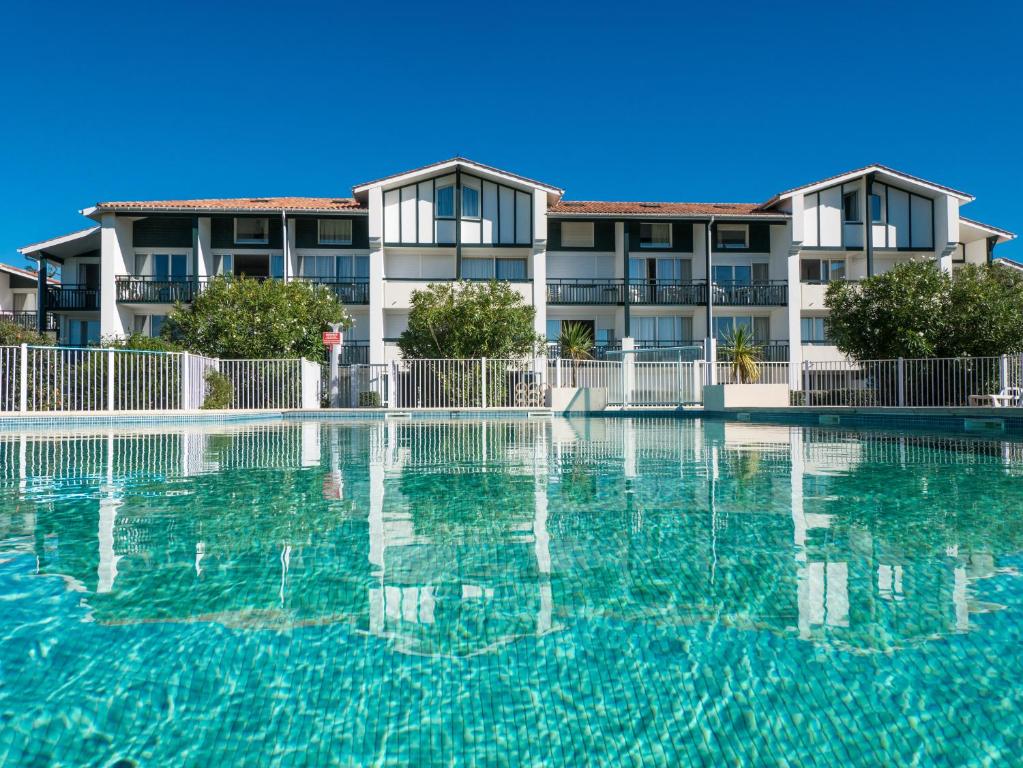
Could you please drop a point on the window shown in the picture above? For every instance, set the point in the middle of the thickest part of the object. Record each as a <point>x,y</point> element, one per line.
<point>663,330</point>
<point>155,324</point>
<point>851,208</point>
<point>170,266</point>
<point>875,209</point>
<point>470,203</point>
<point>352,267</point>
<point>821,270</point>
<point>812,330</point>
<point>655,234</point>
<point>318,266</point>
<point>510,269</point>
<point>225,264</point>
<point>444,199</point>
<point>493,269</point>
<point>277,266</point>
<point>334,231</point>
<point>733,274</point>
<point>577,234</point>
<point>252,231</point>
<point>724,327</point>
<point>732,236</point>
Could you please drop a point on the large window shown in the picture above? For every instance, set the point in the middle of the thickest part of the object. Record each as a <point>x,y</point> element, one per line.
<point>493,269</point>
<point>334,231</point>
<point>162,266</point>
<point>470,202</point>
<point>252,231</point>
<point>851,208</point>
<point>663,331</point>
<point>444,199</point>
<point>577,234</point>
<point>318,266</point>
<point>655,234</point>
<point>740,274</point>
<point>821,270</point>
<point>724,327</point>
<point>731,236</point>
<point>813,331</point>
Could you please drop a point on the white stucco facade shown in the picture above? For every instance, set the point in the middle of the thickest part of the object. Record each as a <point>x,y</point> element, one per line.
<point>645,271</point>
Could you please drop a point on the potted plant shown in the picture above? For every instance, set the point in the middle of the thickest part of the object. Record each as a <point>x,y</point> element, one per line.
<point>576,344</point>
<point>743,354</point>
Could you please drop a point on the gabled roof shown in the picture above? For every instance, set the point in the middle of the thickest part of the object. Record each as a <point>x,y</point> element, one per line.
<point>458,161</point>
<point>654,210</point>
<point>992,229</point>
<point>234,204</point>
<point>88,239</point>
<point>875,168</point>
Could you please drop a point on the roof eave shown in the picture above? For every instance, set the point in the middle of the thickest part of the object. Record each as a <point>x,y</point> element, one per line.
<point>397,178</point>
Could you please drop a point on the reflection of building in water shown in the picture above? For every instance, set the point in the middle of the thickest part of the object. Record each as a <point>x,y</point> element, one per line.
<point>458,534</point>
<point>455,537</point>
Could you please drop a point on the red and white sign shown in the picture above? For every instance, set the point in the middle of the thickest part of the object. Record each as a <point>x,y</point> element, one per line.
<point>330,338</point>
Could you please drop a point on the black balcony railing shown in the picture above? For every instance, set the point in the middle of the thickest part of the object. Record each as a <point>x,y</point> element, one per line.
<point>770,351</point>
<point>354,353</point>
<point>762,294</point>
<point>72,298</point>
<point>152,290</point>
<point>584,291</point>
<point>599,351</point>
<point>27,320</point>
<point>594,291</point>
<point>347,291</point>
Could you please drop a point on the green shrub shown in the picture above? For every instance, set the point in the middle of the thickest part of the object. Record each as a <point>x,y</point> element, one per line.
<point>12,335</point>
<point>219,391</point>
<point>369,399</point>
<point>142,343</point>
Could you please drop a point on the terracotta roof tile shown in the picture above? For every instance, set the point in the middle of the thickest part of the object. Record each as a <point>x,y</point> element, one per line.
<point>319,204</point>
<point>657,209</point>
<point>31,274</point>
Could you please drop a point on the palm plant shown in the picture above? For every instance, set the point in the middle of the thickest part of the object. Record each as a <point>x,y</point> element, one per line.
<point>576,344</point>
<point>743,353</point>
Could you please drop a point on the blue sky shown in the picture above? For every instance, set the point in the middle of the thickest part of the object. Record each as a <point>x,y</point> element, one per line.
<point>636,102</point>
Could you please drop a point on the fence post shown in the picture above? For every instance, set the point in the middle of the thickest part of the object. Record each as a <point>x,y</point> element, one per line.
<point>392,386</point>
<point>806,380</point>
<point>186,390</point>
<point>557,372</point>
<point>483,382</point>
<point>901,368</point>
<point>1003,372</point>
<point>110,379</point>
<point>23,404</point>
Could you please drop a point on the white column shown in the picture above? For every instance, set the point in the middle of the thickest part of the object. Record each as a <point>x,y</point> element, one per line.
<point>206,266</point>
<point>946,230</point>
<point>292,267</point>
<point>376,276</point>
<point>117,257</point>
<point>539,261</point>
<point>795,330</point>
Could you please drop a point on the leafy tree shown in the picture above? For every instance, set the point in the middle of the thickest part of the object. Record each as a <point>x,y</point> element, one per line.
<point>240,318</point>
<point>915,310</point>
<point>469,320</point>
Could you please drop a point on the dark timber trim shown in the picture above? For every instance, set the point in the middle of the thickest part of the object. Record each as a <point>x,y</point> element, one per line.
<point>628,290</point>
<point>868,222</point>
<point>41,281</point>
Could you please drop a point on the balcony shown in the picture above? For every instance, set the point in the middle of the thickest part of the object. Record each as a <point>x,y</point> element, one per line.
<point>769,293</point>
<point>354,353</point>
<point>72,298</point>
<point>27,320</point>
<point>348,292</point>
<point>614,291</point>
<point>151,290</point>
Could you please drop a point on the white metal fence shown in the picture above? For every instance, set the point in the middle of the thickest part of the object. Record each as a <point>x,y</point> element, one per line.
<point>924,382</point>
<point>483,383</point>
<point>66,379</point>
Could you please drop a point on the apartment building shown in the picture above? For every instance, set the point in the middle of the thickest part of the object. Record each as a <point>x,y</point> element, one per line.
<point>654,273</point>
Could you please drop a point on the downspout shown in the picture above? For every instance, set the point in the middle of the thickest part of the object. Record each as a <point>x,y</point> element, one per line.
<point>285,245</point>
<point>195,256</point>
<point>868,223</point>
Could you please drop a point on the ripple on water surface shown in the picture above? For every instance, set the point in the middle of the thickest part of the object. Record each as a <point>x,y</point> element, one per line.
<point>588,592</point>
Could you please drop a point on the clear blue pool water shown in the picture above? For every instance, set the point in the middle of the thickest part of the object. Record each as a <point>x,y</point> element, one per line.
<point>605,592</point>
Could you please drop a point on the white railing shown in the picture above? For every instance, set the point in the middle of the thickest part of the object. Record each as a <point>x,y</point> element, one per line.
<point>74,379</point>
<point>361,386</point>
<point>483,383</point>
<point>905,382</point>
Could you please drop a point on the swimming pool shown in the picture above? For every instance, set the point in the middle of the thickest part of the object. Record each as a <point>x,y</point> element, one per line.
<point>531,592</point>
